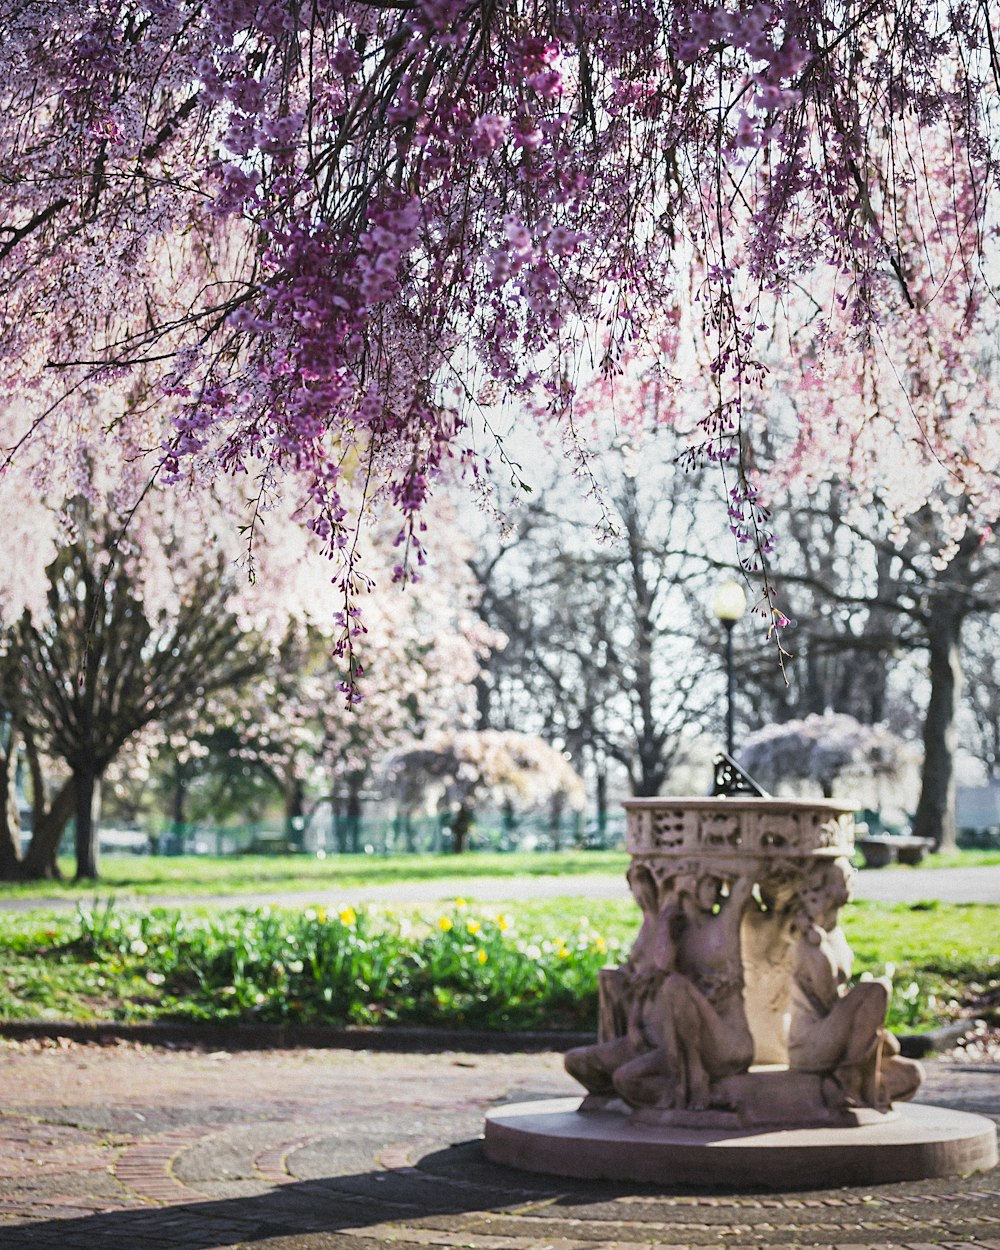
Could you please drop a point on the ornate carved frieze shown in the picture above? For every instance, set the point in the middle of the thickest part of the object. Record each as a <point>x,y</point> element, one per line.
<point>748,826</point>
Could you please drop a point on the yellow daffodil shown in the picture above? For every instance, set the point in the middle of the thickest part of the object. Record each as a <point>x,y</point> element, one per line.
<point>481,955</point>
<point>503,922</point>
<point>563,952</point>
<point>348,916</point>
<point>444,924</point>
<point>600,945</point>
<point>473,926</point>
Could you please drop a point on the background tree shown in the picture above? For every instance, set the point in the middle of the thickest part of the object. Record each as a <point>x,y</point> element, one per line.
<point>982,666</point>
<point>864,597</point>
<point>819,749</point>
<point>420,660</point>
<point>10,745</point>
<point>468,768</point>
<point>609,649</point>
<point>101,666</point>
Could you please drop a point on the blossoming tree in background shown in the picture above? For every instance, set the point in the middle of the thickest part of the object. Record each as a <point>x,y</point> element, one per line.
<point>460,771</point>
<point>133,617</point>
<point>919,527</point>
<point>421,656</point>
<point>819,749</point>
<point>326,238</point>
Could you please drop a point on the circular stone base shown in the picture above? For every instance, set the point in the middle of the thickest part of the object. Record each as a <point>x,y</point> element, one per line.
<point>920,1142</point>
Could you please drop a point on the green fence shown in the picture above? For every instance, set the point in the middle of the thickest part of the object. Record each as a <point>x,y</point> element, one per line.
<point>366,835</point>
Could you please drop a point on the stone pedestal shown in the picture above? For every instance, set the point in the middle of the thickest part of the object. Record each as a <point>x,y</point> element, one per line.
<point>918,1143</point>
<point>731,1039</point>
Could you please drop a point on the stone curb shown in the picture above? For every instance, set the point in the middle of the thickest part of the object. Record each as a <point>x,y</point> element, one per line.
<point>919,1045</point>
<point>293,1037</point>
<point>326,1037</point>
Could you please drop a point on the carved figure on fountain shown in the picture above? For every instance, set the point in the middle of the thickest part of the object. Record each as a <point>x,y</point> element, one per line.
<point>698,1021</point>
<point>835,1028</point>
<point>686,1024</point>
<point>767,941</point>
<point>617,987</point>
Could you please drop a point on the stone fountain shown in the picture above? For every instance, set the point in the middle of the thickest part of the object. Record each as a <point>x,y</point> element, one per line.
<point>731,1048</point>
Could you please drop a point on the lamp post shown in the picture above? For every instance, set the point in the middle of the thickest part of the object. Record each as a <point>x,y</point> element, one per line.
<point>730,604</point>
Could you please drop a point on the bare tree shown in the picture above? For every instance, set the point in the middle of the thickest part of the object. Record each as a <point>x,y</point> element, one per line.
<point>982,665</point>
<point>606,635</point>
<point>99,668</point>
<point>859,599</point>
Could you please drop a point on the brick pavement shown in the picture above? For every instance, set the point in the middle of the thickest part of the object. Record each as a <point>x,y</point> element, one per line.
<point>126,1147</point>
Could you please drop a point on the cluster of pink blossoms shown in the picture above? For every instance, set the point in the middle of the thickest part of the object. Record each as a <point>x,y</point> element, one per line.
<point>324,235</point>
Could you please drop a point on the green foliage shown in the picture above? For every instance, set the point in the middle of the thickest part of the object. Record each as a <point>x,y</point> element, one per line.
<point>45,978</point>
<point>944,959</point>
<point>972,858</point>
<point>463,967</point>
<point>533,967</point>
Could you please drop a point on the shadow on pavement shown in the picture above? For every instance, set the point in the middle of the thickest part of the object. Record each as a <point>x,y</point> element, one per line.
<point>453,1181</point>
<point>296,1209</point>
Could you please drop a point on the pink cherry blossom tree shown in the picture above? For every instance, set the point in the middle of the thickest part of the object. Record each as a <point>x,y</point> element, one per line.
<point>101,665</point>
<point>325,237</point>
<point>420,658</point>
<point>127,613</point>
<point>470,767</point>
<point>819,749</point>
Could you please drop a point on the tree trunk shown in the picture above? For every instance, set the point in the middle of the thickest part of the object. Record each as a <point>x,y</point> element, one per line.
<point>85,781</point>
<point>601,796</point>
<point>508,825</point>
<point>48,824</point>
<point>935,816</point>
<point>648,779</point>
<point>10,821</point>
<point>295,803</point>
<point>354,783</point>
<point>460,827</point>
<point>555,821</point>
<point>178,798</point>
<point>483,700</point>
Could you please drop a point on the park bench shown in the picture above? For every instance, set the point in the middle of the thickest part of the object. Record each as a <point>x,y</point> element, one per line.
<point>882,849</point>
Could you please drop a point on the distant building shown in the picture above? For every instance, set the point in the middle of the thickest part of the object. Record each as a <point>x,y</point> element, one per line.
<point>977,814</point>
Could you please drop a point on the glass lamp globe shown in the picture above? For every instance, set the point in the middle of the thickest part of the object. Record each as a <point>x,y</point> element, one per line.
<point>730,602</point>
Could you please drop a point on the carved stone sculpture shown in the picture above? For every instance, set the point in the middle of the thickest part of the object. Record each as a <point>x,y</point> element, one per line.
<point>740,960</point>
<point>617,986</point>
<point>835,1029</point>
<point>684,1023</point>
<point>732,1048</point>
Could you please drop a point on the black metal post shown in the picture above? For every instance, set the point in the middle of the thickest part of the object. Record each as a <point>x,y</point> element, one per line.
<point>729,687</point>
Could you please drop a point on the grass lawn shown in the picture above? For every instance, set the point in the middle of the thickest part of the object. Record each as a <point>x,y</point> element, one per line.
<point>191,876</point>
<point>961,859</point>
<point>529,965</point>
<point>194,875</point>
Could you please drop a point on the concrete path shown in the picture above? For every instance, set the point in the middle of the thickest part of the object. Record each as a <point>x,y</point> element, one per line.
<point>133,1148</point>
<point>891,885</point>
<point>914,885</point>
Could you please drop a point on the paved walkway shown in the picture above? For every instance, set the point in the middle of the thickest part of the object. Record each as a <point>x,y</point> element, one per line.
<point>892,885</point>
<point>127,1148</point>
